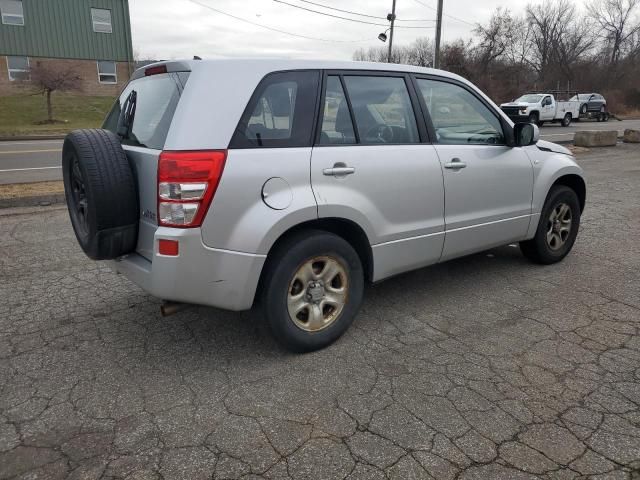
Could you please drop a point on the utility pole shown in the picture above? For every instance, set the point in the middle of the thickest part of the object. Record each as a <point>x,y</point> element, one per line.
<point>392,18</point>
<point>436,56</point>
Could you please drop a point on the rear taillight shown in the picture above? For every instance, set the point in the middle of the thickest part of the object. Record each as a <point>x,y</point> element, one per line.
<point>187,182</point>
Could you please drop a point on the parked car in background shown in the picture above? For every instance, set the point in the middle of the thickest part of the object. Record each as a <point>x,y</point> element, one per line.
<point>291,183</point>
<point>541,107</point>
<point>590,102</point>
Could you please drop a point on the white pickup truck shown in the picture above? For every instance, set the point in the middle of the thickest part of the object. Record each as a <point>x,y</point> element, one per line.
<point>541,107</point>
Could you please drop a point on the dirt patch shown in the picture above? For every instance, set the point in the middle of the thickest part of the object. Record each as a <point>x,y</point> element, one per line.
<point>18,190</point>
<point>576,150</point>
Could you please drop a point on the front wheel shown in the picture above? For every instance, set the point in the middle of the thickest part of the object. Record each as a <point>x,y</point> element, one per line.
<point>533,117</point>
<point>312,290</point>
<point>557,228</point>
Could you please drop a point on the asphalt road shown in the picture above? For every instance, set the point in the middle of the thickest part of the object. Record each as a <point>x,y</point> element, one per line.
<point>30,161</point>
<point>34,161</point>
<point>487,367</point>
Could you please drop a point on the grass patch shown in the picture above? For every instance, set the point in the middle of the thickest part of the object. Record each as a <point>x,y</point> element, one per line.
<point>27,114</point>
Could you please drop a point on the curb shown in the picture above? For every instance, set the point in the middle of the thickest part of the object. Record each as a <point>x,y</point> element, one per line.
<point>18,138</point>
<point>33,201</point>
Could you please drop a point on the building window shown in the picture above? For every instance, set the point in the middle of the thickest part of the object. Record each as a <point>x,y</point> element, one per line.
<point>101,20</point>
<point>18,68</point>
<point>107,72</point>
<point>11,12</point>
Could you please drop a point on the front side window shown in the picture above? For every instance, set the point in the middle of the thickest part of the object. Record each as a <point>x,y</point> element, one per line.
<point>11,12</point>
<point>458,116</point>
<point>337,127</point>
<point>280,112</point>
<point>382,109</point>
<point>107,72</point>
<point>101,20</point>
<point>18,68</point>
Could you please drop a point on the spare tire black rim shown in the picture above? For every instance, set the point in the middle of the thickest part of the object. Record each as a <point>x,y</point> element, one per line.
<point>80,202</point>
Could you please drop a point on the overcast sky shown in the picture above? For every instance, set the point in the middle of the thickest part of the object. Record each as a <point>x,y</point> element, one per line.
<point>170,29</point>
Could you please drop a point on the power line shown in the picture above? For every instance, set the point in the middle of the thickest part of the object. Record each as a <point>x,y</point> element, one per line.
<point>328,7</point>
<point>339,17</point>
<point>274,29</point>
<point>340,10</point>
<point>445,14</point>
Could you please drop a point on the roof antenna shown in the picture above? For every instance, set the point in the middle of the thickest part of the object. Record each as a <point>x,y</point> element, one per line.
<point>196,57</point>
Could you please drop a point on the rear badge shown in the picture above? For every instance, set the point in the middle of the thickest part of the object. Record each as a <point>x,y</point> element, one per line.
<point>149,215</point>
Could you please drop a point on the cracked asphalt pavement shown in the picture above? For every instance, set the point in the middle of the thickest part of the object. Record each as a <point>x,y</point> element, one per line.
<point>487,367</point>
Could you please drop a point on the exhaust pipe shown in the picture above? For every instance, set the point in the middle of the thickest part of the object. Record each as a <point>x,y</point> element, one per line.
<point>169,308</point>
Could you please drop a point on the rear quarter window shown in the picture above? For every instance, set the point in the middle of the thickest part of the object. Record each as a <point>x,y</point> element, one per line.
<point>157,99</point>
<point>280,113</point>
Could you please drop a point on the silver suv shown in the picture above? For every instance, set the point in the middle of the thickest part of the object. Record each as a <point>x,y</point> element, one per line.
<point>292,183</point>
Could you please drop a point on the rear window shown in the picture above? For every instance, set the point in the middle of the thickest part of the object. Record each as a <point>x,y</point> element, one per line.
<point>157,97</point>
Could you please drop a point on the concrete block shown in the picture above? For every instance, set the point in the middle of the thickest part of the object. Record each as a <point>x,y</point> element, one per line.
<point>631,136</point>
<point>595,138</point>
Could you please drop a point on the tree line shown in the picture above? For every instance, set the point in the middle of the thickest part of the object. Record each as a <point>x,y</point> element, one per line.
<point>552,45</point>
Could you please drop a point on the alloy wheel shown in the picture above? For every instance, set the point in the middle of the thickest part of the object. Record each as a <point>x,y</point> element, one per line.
<point>318,293</point>
<point>559,226</point>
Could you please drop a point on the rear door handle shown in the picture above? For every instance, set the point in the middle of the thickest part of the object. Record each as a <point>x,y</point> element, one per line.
<point>338,171</point>
<point>455,164</point>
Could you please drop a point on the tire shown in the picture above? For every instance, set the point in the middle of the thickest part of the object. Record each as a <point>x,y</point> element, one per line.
<point>566,121</point>
<point>540,249</point>
<point>101,194</point>
<point>533,117</point>
<point>583,109</point>
<point>282,283</point>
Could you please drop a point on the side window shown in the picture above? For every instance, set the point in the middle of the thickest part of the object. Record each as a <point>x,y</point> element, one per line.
<point>337,127</point>
<point>280,112</point>
<point>107,72</point>
<point>18,68</point>
<point>458,116</point>
<point>101,20</point>
<point>382,109</point>
<point>11,12</point>
<point>546,101</point>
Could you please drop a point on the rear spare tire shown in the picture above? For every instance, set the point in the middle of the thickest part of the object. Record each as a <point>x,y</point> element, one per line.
<point>101,193</point>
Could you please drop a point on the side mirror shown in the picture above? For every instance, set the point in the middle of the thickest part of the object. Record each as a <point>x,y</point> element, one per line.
<point>525,134</point>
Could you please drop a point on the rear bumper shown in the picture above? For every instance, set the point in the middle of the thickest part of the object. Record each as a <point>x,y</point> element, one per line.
<point>199,274</point>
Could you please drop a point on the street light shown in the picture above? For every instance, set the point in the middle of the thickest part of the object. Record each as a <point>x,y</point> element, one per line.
<point>383,36</point>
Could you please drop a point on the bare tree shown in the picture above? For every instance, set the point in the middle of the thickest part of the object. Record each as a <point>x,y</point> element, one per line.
<point>421,52</point>
<point>46,79</point>
<point>495,38</point>
<point>617,24</point>
<point>549,22</point>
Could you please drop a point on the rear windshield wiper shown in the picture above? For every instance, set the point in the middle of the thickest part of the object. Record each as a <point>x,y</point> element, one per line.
<point>127,114</point>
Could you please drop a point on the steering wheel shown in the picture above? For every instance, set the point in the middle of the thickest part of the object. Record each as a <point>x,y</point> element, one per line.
<point>381,133</point>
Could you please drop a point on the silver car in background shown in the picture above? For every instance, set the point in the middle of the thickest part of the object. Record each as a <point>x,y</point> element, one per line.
<point>291,183</point>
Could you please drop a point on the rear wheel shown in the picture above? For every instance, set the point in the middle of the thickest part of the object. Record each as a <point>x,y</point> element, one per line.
<point>566,121</point>
<point>557,229</point>
<point>312,290</point>
<point>583,109</point>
